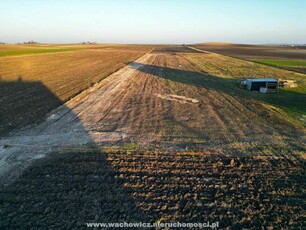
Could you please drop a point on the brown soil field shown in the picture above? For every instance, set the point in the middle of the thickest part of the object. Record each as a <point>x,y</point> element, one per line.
<point>173,49</point>
<point>63,74</point>
<point>255,51</point>
<point>180,142</point>
<point>68,190</point>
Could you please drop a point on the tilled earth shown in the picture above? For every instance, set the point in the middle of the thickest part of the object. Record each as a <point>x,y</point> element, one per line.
<point>261,51</point>
<point>31,86</point>
<point>67,190</point>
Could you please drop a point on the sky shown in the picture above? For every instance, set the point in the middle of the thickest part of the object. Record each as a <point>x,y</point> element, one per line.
<point>153,21</point>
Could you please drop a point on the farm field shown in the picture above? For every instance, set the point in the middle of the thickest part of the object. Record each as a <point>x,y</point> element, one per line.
<point>10,51</point>
<point>25,49</point>
<point>287,57</point>
<point>168,137</point>
<point>295,65</point>
<point>186,101</point>
<point>70,189</point>
<point>45,81</point>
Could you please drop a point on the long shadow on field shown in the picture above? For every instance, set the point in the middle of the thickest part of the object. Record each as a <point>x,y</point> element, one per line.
<point>23,103</point>
<point>198,79</point>
<point>290,100</point>
<point>63,190</point>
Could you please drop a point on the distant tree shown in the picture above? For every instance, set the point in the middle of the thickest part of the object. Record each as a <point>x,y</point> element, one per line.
<point>88,43</point>
<point>30,42</point>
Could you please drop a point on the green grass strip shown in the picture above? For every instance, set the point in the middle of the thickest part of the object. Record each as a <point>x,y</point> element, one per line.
<point>295,63</point>
<point>33,51</point>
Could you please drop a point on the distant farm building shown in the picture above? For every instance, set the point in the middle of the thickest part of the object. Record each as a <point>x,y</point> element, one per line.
<point>262,85</point>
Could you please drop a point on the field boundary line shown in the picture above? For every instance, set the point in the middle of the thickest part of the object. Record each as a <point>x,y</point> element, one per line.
<point>199,50</point>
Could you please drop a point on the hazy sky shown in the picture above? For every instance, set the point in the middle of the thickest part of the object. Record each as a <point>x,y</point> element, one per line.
<point>153,21</point>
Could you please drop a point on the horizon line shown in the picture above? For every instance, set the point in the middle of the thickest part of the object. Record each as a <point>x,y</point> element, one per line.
<point>119,43</point>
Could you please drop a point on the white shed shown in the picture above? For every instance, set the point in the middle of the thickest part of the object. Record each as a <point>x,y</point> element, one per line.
<point>263,85</point>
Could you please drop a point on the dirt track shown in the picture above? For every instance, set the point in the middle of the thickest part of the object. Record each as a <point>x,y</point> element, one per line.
<point>162,100</point>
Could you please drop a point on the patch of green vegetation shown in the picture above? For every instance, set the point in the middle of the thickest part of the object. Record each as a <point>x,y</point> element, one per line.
<point>289,100</point>
<point>274,62</point>
<point>34,51</point>
<point>130,146</point>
